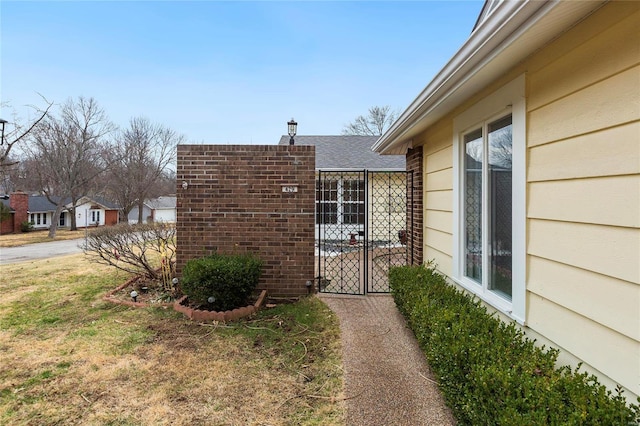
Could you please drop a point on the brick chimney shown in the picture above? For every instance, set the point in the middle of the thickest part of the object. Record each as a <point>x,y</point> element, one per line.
<point>19,202</point>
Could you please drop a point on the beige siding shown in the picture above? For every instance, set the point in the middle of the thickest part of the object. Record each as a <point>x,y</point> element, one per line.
<point>438,194</point>
<point>607,200</point>
<point>605,250</point>
<point>439,240</point>
<point>609,152</point>
<point>614,354</point>
<point>562,284</point>
<point>439,220</point>
<point>387,211</point>
<point>442,260</point>
<point>608,103</point>
<point>615,49</point>
<point>583,195</point>
<point>439,160</point>
<point>439,200</point>
<point>440,180</point>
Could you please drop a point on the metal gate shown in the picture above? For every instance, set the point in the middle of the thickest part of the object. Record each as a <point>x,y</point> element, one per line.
<point>362,229</point>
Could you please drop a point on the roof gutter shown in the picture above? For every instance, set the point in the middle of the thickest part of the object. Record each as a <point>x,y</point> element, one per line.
<point>496,45</point>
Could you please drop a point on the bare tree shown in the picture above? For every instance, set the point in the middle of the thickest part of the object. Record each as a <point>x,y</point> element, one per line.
<point>66,150</point>
<point>145,151</point>
<point>17,131</point>
<point>374,124</point>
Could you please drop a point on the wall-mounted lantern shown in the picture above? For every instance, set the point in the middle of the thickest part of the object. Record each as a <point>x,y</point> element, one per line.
<point>2,123</point>
<point>292,127</point>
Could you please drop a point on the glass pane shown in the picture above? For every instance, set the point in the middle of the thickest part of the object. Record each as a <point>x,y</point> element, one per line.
<point>353,213</point>
<point>326,190</point>
<point>473,205</point>
<point>326,213</point>
<point>499,188</point>
<point>353,190</point>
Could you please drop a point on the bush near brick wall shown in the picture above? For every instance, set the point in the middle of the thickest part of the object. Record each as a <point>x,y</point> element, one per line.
<point>489,373</point>
<point>234,203</point>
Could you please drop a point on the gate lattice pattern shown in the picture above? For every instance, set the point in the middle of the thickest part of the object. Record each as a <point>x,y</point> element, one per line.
<point>361,229</point>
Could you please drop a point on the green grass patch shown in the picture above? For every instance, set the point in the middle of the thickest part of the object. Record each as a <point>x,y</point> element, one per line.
<point>488,371</point>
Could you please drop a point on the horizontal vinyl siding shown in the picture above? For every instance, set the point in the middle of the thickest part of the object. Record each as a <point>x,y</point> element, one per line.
<point>613,354</point>
<point>610,152</point>
<point>607,200</point>
<point>583,193</point>
<point>608,103</point>
<point>438,187</point>
<point>564,284</point>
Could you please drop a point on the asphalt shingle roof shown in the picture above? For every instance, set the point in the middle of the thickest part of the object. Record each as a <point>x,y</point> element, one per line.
<point>165,202</point>
<point>40,203</point>
<point>348,152</point>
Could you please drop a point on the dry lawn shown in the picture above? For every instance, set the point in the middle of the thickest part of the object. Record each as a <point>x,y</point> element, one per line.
<point>22,238</point>
<point>67,357</point>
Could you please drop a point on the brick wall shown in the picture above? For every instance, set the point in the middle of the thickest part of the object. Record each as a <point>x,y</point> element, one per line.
<point>19,202</point>
<point>234,202</point>
<point>414,164</point>
<point>6,226</point>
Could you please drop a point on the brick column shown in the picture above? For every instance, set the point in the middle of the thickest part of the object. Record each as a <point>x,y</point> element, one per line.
<point>19,202</point>
<point>248,198</point>
<point>416,210</point>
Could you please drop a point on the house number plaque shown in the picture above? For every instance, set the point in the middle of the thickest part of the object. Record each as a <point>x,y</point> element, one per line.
<point>290,188</point>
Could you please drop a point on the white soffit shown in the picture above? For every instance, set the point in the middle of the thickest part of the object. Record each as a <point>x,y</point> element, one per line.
<point>513,32</point>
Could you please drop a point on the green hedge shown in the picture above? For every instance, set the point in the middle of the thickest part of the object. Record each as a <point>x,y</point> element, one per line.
<point>221,282</point>
<point>488,371</point>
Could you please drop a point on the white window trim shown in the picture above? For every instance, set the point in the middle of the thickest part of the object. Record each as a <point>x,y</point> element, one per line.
<point>509,98</point>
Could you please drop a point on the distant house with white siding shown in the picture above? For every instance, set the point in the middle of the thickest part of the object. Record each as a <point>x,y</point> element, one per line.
<point>39,211</point>
<point>161,209</point>
<point>548,95</point>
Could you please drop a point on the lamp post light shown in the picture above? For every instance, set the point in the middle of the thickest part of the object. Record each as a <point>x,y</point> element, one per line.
<point>2,123</point>
<point>292,127</point>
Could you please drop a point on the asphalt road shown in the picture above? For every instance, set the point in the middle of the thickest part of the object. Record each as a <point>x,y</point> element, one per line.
<point>31,252</point>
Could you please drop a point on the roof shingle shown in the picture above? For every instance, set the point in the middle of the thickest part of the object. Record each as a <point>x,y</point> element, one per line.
<point>348,152</point>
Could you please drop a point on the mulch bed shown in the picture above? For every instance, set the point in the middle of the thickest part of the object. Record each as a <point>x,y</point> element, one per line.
<point>150,293</point>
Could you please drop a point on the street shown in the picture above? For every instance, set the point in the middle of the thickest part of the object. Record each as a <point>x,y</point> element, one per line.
<point>37,251</point>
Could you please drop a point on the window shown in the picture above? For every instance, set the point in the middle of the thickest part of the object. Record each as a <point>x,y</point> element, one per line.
<point>327,201</point>
<point>489,199</point>
<point>44,218</point>
<point>95,216</point>
<point>353,202</point>
<point>61,223</point>
<point>33,218</point>
<point>487,189</point>
<point>37,218</point>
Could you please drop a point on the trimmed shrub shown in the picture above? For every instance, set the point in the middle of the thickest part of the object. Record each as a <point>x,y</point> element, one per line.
<point>26,226</point>
<point>221,282</point>
<point>488,371</point>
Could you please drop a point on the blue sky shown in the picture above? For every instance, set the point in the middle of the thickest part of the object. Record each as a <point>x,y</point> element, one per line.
<point>228,72</point>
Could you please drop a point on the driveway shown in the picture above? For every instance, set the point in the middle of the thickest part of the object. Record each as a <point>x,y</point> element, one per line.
<point>37,251</point>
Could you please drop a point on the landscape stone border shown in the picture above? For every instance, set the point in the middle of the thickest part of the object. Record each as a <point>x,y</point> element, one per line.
<point>203,315</point>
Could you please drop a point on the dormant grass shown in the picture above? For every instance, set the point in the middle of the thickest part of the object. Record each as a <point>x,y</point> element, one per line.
<point>67,357</point>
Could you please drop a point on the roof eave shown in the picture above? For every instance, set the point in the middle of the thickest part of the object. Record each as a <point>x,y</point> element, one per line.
<point>498,44</point>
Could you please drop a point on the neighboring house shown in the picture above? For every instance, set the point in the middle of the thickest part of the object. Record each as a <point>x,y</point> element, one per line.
<point>37,209</point>
<point>161,209</point>
<point>538,115</point>
<point>340,187</point>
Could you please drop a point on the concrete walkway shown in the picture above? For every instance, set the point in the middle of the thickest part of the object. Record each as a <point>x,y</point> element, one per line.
<point>387,380</point>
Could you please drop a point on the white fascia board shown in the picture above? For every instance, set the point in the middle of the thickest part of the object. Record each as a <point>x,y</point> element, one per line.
<point>498,44</point>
